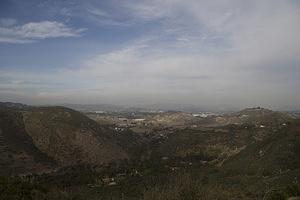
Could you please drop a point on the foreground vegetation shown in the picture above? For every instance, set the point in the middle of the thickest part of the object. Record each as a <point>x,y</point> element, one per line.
<point>155,183</point>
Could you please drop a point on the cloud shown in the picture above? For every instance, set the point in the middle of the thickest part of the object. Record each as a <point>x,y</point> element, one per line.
<point>146,10</point>
<point>97,12</point>
<point>34,31</point>
<point>121,13</point>
<point>7,22</point>
<point>202,52</point>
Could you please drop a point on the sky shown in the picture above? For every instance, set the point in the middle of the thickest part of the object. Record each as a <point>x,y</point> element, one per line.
<point>213,53</point>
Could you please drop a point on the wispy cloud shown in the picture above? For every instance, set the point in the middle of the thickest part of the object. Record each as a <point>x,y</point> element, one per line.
<point>34,31</point>
<point>6,22</point>
<point>194,51</point>
<point>125,13</point>
<point>98,12</point>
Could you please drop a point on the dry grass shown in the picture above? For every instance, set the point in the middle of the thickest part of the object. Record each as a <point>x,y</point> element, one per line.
<point>185,187</point>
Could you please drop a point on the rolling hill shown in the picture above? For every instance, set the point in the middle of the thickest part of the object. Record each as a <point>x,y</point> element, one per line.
<point>56,136</point>
<point>18,153</point>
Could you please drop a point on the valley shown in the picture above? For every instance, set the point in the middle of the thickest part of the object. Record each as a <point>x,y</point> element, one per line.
<point>60,153</point>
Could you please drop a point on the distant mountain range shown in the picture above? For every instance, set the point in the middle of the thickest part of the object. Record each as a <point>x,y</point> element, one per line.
<point>13,105</point>
<point>147,108</point>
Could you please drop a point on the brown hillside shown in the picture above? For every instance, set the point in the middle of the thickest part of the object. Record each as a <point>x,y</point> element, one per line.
<point>71,138</point>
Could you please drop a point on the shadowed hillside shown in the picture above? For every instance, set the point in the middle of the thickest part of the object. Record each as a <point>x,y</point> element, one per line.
<point>71,138</point>
<point>57,135</point>
<point>18,153</point>
<point>277,154</point>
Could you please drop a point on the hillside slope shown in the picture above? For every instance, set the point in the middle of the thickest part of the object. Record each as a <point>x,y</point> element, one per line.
<point>224,139</point>
<point>70,138</point>
<point>18,154</point>
<point>277,154</point>
<point>39,139</point>
<point>255,116</point>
